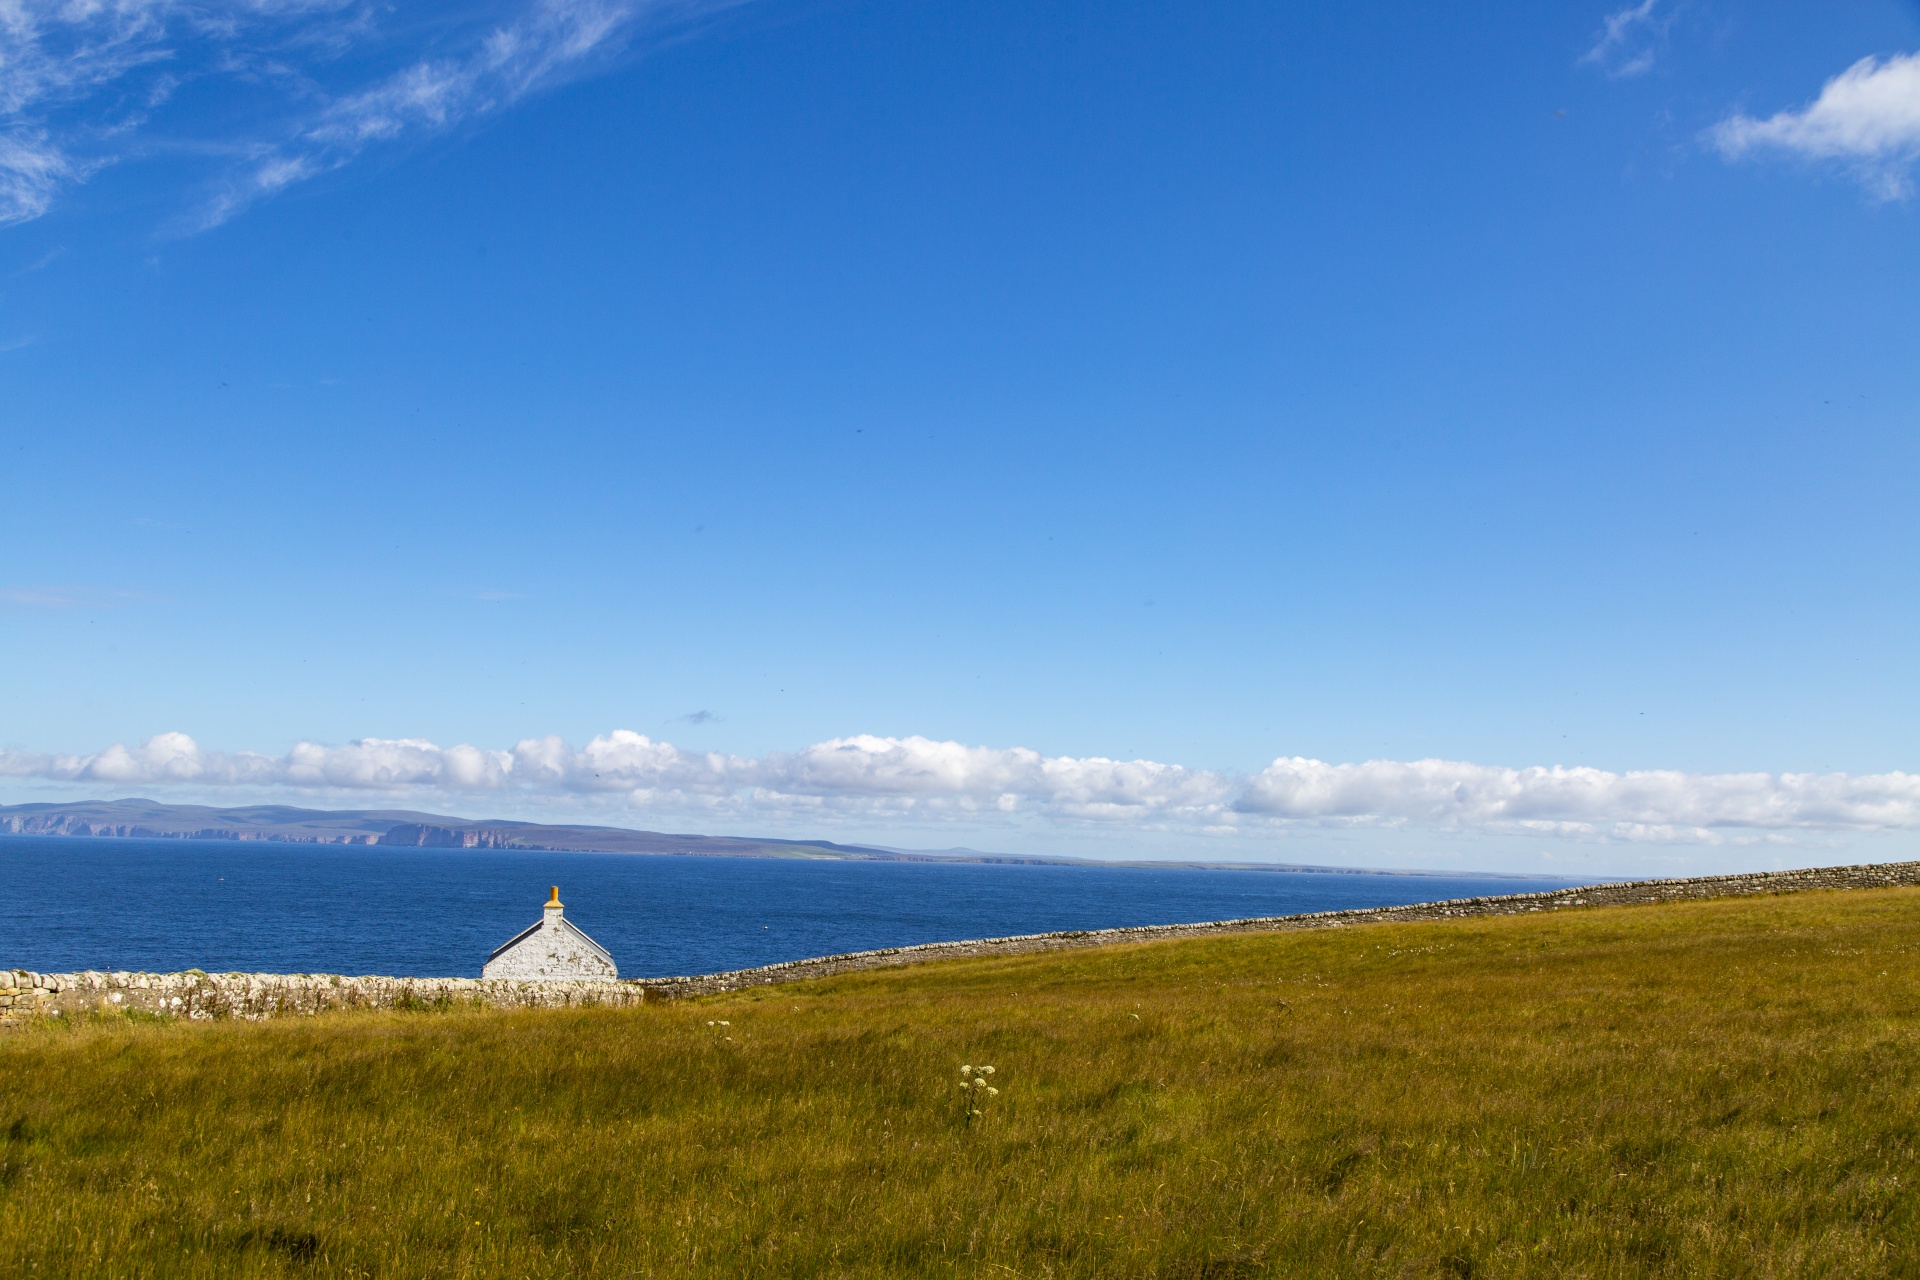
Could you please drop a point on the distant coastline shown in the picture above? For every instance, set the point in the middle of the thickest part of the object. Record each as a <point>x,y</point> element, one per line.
<point>398,828</point>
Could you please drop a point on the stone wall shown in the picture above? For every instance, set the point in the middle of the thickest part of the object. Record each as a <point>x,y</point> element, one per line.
<point>1624,893</point>
<point>264,995</point>
<point>260,995</point>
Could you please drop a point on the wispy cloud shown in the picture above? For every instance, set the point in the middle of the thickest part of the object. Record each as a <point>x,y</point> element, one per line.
<point>1628,40</point>
<point>1867,117</point>
<point>921,779</point>
<point>40,263</point>
<point>32,170</point>
<point>305,86</point>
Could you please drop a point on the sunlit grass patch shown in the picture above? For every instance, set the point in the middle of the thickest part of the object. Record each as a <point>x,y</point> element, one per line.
<point>1709,1088</point>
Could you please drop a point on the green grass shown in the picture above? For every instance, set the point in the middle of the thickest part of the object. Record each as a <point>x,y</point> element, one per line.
<point>1719,1088</point>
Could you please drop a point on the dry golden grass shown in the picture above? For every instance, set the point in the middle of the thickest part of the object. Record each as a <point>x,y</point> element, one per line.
<point>1720,1088</point>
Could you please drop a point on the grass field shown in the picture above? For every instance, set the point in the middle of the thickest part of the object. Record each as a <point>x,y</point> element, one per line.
<point>1720,1088</point>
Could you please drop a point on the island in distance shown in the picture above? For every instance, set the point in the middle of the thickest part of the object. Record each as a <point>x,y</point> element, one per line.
<point>153,820</point>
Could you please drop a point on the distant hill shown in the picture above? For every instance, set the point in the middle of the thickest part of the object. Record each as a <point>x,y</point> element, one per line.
<point>151,819</point>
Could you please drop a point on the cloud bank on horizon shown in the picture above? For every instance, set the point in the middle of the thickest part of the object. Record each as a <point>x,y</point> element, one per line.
<point>304,86</point>
<point>878,777</point>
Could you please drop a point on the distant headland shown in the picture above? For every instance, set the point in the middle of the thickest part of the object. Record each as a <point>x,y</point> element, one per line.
<point>153,820</point>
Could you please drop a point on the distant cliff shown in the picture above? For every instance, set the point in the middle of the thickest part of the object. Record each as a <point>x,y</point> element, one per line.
<point>152,820</point>
<point>68,824</point>
<point>423,836</point>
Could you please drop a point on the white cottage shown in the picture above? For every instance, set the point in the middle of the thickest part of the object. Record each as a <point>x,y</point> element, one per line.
<point>552,950</point>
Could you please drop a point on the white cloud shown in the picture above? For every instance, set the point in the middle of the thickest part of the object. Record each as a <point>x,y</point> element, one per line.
<point>1637,805</point>
<point>875,777</point>
<point>1627,40</point>
<point>306,85</point>
<point>1867,116</point>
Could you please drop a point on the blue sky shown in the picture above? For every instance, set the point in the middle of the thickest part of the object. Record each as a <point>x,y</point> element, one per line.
<point>1071,428</point>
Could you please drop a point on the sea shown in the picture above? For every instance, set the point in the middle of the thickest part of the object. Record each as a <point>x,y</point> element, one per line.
<point>165,905</point>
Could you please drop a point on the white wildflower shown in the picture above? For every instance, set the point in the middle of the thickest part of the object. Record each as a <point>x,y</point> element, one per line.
<point>974,1091</point>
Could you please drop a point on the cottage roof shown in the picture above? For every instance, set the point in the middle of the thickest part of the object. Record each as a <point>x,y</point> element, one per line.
<point>572,929</point>
<point>554,929</point>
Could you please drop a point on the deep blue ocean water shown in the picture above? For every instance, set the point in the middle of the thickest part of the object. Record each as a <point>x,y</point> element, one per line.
<point>163,905</point>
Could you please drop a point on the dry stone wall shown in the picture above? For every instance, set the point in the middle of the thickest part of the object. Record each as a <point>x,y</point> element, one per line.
<point>197,995</point>
<point>263,995</point>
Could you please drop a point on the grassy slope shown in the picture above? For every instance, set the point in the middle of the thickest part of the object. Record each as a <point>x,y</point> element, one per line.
<point>1699,1089</point>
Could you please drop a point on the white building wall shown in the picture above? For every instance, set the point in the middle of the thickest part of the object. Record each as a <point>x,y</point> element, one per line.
<point>554,951</point>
